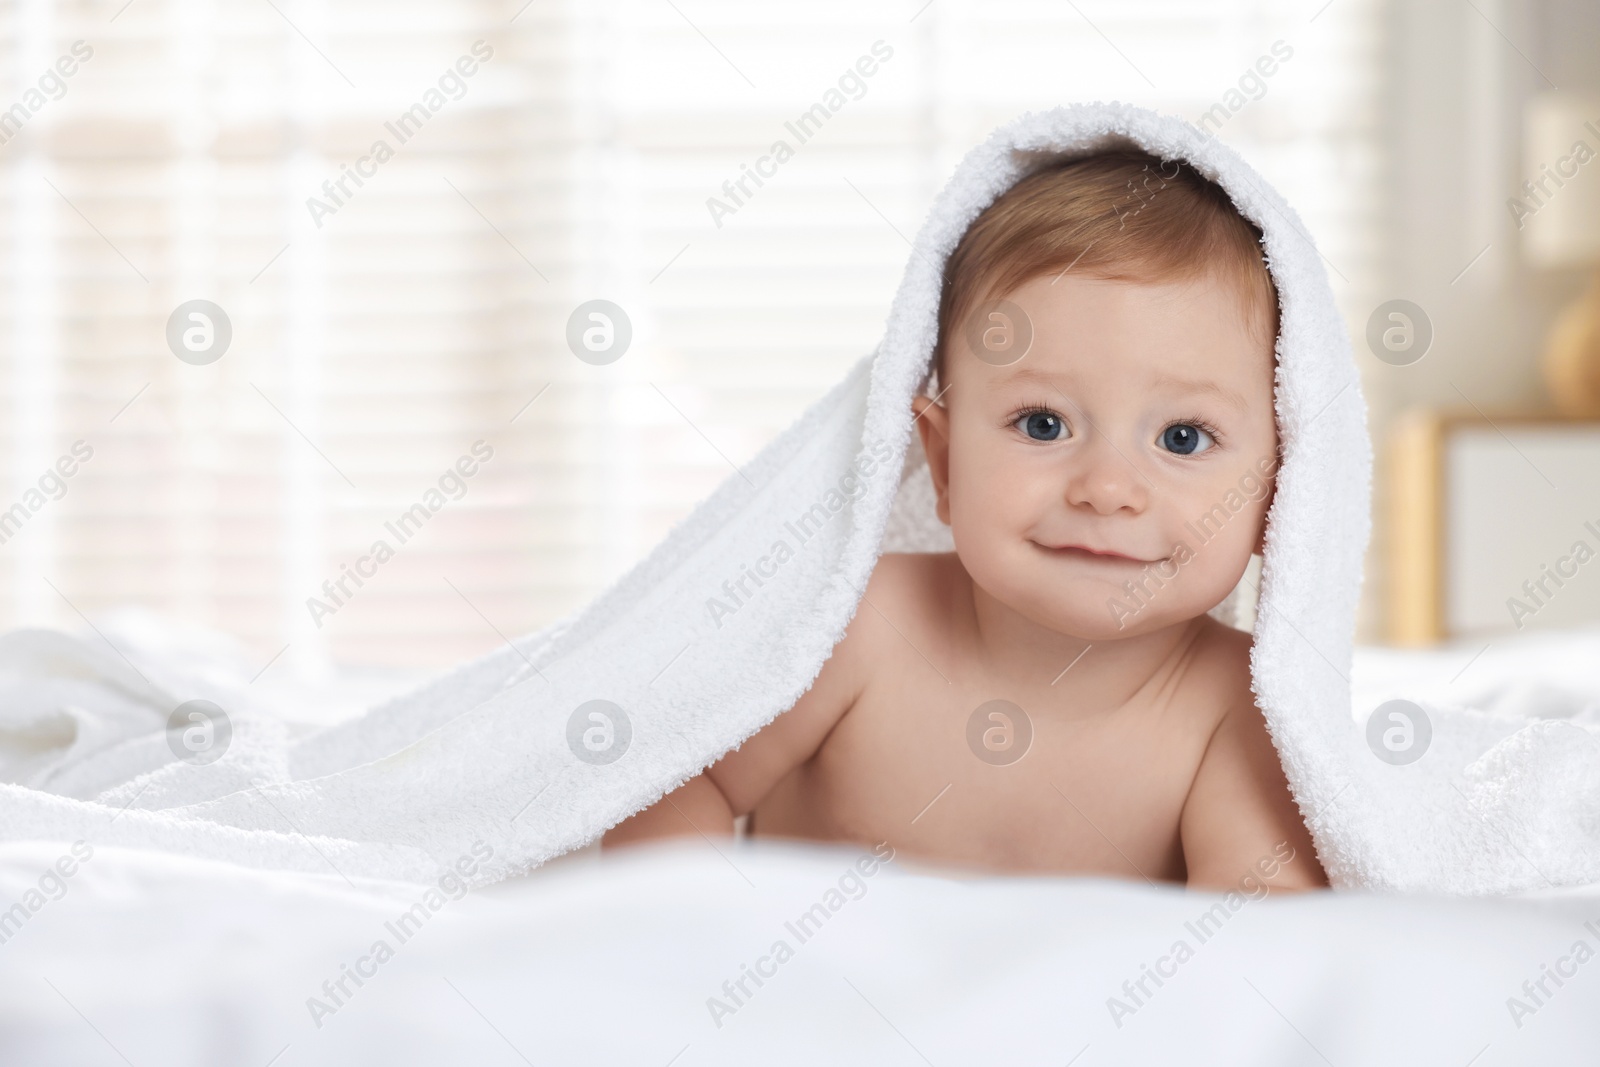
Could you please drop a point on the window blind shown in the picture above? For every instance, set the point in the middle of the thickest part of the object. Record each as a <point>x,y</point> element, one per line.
<point>401,315</point>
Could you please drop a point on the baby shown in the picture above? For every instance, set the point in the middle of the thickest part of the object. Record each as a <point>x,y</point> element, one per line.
<point>1052,696</point>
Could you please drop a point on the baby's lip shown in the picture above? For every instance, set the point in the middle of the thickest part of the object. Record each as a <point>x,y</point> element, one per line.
<point>1106,554</point>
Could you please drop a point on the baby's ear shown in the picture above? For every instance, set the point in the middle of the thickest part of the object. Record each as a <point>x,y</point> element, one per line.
<point>933,424</point>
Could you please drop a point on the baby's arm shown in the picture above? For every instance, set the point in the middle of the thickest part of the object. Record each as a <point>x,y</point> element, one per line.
<point>709,802</point>
<point>1240,821</point>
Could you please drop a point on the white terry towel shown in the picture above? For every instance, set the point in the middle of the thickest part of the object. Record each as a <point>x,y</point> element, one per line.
<point>496,750</point>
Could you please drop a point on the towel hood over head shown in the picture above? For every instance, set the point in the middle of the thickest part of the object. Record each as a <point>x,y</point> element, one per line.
<point>539,747</point>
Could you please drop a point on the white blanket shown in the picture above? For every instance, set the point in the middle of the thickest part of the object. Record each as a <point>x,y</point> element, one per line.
<point>505,749</point>
<point>157,959</point>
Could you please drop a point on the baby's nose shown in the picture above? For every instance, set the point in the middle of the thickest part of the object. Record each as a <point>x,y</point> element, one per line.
<point>1106,480</point>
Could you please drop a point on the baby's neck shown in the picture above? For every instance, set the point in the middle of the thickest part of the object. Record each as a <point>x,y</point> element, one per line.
<point>1100,674</point>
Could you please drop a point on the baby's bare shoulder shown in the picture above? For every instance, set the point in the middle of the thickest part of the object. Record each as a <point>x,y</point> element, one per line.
<point>908,595</point>
<point>916,579</point>
<point>897,597</point>
<point>1218,672</point>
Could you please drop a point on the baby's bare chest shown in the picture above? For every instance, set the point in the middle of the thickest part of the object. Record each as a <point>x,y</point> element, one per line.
<point>1012,779</point>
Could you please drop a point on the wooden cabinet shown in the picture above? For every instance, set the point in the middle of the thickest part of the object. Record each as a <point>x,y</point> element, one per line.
<point>1492,524</point>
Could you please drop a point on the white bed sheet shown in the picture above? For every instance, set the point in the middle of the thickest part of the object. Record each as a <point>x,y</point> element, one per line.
<point>1553,674</point>
<point>150,959</point>
<point>155,959</point>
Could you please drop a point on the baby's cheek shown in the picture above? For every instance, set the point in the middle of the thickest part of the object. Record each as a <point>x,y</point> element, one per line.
<point>1215,553</point>
<point>991,510</point>
<point>1001,501</point>
<point>977,513</point>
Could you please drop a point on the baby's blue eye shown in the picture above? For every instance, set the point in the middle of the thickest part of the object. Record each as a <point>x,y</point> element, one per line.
<point>1185,439</point>
<point>1041,425</point>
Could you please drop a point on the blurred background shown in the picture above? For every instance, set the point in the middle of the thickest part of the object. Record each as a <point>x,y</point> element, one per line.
<point>383,324</point>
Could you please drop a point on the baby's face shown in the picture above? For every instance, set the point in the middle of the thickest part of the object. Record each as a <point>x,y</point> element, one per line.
<point>1115,479</point>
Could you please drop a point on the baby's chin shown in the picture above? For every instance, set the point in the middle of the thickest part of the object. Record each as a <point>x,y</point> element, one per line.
<point>1096,622</point>
<point>1093,608</point>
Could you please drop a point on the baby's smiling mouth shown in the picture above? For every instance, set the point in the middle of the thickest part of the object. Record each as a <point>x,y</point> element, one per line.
<point>1097,555</point>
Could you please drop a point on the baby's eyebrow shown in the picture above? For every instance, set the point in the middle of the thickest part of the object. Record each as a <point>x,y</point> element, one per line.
<point>1167,381</point>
